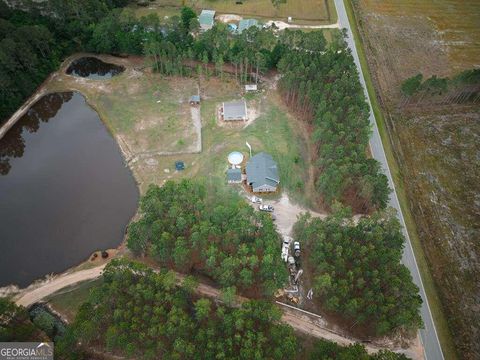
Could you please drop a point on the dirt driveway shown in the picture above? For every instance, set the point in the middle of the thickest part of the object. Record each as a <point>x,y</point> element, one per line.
<point>286,214</point>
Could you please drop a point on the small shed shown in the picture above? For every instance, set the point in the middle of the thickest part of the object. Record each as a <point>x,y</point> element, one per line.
<point>195,100</point>
<point>234,176</point>
<point>206,19</point>
<point>179,165</point>
<point>251,87</point>
<point>234,111</point>
<point>244,24</point>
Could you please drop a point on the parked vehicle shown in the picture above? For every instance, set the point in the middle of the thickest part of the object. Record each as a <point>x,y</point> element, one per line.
<point>256,200</point>
<point>268,208</point>
<point>296,248</point>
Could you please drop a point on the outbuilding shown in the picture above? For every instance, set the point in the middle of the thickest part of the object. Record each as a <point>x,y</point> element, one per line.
<point>234,176</point>
<point>251,87</point>
<point>195,100</point>
<point>234,111</point>
<point>262,173</point>
<point>206,19</point>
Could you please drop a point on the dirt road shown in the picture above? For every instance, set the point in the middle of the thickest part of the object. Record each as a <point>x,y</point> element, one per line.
<point>283,25</point>
<point>30,296</point>
<point>301,322</point>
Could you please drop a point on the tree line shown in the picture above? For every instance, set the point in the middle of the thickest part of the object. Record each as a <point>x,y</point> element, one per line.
<point>357,270</point>
<point>191,228</point>
<point>463,88</point>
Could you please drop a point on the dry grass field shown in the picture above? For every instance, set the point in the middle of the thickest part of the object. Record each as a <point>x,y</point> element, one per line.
<point>319,11</point>
<point>437,148</point>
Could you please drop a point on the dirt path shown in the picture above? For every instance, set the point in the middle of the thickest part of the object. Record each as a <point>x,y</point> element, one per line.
<point>283,25</point>
<point>300,321</point>
<point>30,296</point>
<point>286,214</point>
<point>22,110</point>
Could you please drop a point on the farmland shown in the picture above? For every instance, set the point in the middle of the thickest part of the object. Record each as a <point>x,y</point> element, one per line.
<point>436,147</point>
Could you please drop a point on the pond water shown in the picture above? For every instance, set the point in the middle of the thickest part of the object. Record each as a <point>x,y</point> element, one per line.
<point>64,189</point>
<point>93,68</point>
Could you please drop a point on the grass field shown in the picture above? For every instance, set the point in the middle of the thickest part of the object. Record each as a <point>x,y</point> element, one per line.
<point>68,300</point>
<point>271,131</point>
<point>319,11</point>
<point>403,38</point>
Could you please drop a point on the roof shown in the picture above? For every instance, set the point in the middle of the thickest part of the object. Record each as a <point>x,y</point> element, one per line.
<point>262,170</point>
<point>234,175</point>
<point>195,98</point>
<point>250,87</point>
<point>235,109</point>
<point>179,165</point>
<point>246,23</point>
<point>206,17</point>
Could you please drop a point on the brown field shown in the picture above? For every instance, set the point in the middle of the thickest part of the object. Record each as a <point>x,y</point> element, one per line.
<point>304,10</point>
<point>437,148</point>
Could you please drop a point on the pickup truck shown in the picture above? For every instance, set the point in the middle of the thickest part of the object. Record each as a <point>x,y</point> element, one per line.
<point>268,208</point>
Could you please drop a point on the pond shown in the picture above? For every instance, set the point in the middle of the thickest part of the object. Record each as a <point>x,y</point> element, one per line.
<point>93,68</point>
<point>64,189</point>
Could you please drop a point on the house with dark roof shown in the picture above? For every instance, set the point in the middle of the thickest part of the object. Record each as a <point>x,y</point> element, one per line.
<point>206,19</point>
<point>262,173</point>
<point>234,111</point>
<point>234,176</point>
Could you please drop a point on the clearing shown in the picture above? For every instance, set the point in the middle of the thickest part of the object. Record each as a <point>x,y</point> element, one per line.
<point>302,11</point>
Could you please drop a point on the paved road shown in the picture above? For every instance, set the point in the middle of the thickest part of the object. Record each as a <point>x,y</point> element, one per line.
<point>429,334</point>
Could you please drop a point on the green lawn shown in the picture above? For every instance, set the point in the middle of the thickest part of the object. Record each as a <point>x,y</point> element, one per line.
<point>67,301</point>
<point>428,282</point>
<point>273,131</point>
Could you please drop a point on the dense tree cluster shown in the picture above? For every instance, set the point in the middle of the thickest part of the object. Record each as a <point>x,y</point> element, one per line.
<point>187,228</point>
<point>321,83</point>
<point>15,324</point>
<point>327,350</point>
<point>35,36</point>
<point>357,270</point>
<point>462,88</point>
<point>141,314</point>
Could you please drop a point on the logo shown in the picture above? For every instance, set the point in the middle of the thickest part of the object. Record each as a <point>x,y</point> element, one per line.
<point>26,351</point>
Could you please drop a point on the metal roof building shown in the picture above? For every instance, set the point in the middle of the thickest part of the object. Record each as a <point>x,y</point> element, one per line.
<point>206,19</point>
<point>262,173</point>
<point>234,176</point>
<point>195,99</point>
<point>247,23</point>
<point>235,110</point>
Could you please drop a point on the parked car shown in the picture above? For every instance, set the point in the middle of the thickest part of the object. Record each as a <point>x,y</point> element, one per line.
<point>296,248</point>
<point>268,208</point>
<point>256,200</point>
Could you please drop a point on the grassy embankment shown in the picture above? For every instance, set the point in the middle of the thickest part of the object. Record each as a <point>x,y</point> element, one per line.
<point>307,12</point>
<point>433,298</point>
<point>67,301</point>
